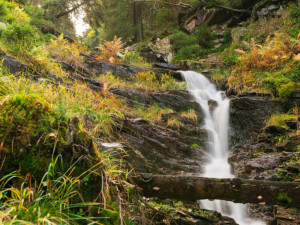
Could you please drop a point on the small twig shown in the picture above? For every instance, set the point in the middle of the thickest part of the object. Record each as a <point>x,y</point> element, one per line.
<point>40,138</point>
<point>2,163</point>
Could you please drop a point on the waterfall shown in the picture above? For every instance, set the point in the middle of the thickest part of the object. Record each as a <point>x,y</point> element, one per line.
<point>215,107</point>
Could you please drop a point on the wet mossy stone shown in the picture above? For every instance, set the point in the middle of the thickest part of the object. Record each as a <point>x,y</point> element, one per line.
<point>24,119</point>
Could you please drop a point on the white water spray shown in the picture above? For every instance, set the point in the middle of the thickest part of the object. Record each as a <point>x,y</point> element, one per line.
<point>216,122</point>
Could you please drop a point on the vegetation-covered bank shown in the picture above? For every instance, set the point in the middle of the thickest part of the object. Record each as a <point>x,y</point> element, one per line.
<point>76,123</point>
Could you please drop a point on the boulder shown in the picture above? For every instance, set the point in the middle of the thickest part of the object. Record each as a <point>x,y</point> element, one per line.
<point>171,69</point>
<point>238,33</point>
<point>292,101</point>
<point>163,49</point>
<point>167,66</point>
<point>267,11</point>
<point>258,163</point>
<point>276,130</point>
<point>13,65</point>
<point>293,143</point>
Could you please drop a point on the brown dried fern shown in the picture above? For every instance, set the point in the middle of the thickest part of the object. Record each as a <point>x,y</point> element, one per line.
<point>109,50</point>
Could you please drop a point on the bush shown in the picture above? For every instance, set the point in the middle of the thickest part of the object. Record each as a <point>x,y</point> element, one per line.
<point>62,50</point>
<point>36,14</point>
<point>295,12</point>
<point>286,90</point>
<point>181,39</point>
<point>165,18</point>
<point>20,32</point>
<point>3,8</point>
<point>109,50</point>
<point>24,120</point>
<point>135,59</point>
<point>190,52</point>
<point>204,36</point>
<point>19,16</point>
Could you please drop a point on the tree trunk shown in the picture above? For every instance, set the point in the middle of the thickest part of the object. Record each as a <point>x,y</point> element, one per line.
<point>138,23</point>
<point>175,8</point>
<point>193,188</point>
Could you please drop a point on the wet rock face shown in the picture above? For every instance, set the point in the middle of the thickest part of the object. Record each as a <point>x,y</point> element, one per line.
<point>293,101</point>
<point>120,70</point>
<point>159,150</point>
<point>156,148</point>
<point>178,100</point>
<point>249,113</point>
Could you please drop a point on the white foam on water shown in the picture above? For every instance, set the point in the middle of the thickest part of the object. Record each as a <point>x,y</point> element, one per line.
<point>216,122</point>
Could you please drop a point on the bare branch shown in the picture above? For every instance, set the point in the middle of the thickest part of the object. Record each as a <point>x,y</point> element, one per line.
<point>69,11</point>
<point>180,4</point>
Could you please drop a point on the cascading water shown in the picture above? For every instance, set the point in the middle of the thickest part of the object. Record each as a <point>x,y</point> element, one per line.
<point>216,122</point>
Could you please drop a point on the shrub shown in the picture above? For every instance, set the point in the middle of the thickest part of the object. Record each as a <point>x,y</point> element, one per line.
<point>190,52</point>
<point>278,119</point>
<point>109,50</point>
<point>271,64</point>
<point>174,123</point>
<point>204,36</point>
<point>165,18</point>
<point>153,113</point>
<point>295,12</point>
<point>168,82</point>
<point>286,90</point>
<point>17,32</point>
<point>3,8</point>
<point>62,50</point>
<point>181,39</point>
<point>227,36</point>
<point>19,16</point>
<point>36,14</point>
<point>135,59</point>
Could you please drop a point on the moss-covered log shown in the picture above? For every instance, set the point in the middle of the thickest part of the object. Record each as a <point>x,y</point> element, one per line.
<point>238,190</point>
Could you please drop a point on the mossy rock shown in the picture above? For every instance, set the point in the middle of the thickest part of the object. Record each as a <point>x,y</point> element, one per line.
<point>32,134</point>
<point>22,118</point>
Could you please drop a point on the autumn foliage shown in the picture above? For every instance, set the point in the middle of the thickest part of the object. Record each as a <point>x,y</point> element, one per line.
<point>109,50</point>
<point>276,53</point>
